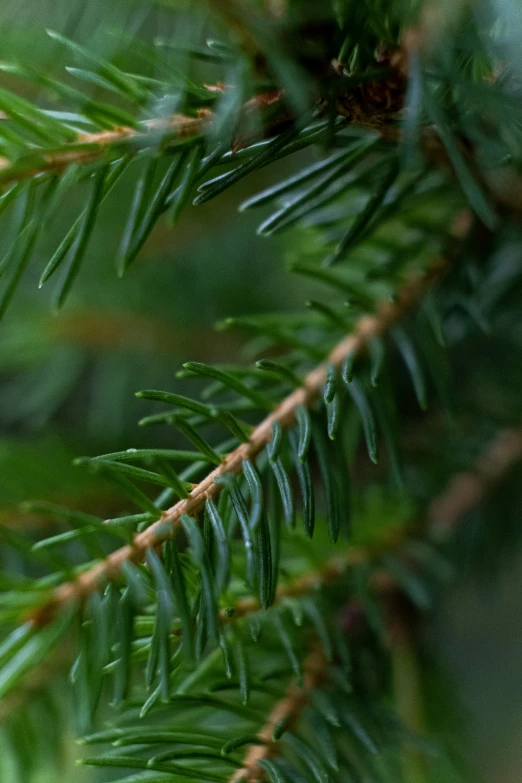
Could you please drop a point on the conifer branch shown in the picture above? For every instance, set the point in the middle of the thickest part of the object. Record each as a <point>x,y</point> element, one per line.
<point>286,711</point>
<point>467,489</point>
<point>306,583</point>
<point>464,492</point>
<point>368,327</point>
<point>90,147</point>
<point>413,114</point>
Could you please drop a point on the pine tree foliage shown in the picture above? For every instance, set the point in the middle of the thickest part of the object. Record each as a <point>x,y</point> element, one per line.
<point>251,609</point>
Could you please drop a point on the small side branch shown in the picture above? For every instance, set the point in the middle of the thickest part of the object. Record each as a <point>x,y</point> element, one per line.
<point>466,490</point>
<point>91,147</point>
<point>287,710</point>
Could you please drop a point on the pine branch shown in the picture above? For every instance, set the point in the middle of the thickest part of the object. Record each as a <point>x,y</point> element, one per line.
<point>467,489</point>
<point>286,712</point>
<point>91,147</point>
<point>447,510</point>
<point>437,98</point>
<point>368,327</point>
<point>464,492</point>
<point>332,570</point>
<point>370,97</point>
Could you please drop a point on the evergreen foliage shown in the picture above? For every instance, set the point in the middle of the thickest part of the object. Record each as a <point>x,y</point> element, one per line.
<point>252,606</point>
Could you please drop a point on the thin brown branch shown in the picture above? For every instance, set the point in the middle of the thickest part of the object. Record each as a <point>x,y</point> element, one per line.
<point>90,147</point>
<point>463,493</point>
<point>466,490</point>
<point>373,105</point>
<point>386,315</point>
<point>367,327</point>
<point>333,570</point>
<point>287,710</point>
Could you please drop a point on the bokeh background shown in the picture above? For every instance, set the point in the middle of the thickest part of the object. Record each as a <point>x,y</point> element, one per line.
<point>67,381</point>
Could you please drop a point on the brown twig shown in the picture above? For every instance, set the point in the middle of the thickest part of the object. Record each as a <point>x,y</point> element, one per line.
<point>88,148</point>
<point>288,710</point>
<point>464,492</point>
<point>445,511</point>
<point>306,583</point>
<point>367,327</point>
<point>82,151</point>
<point>371,105</point>
<point>467,489</point>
